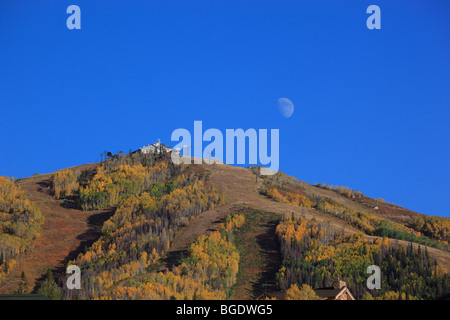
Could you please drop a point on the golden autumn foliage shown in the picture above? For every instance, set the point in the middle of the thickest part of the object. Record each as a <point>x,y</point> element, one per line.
<point>232,222</point>
<point>393,295</point>
<point>428,230</point>
<point>65,183</point>
<point>108,189</point>
<point>142,227</point>
<point>435,228</point>
<point>291,198</point>
<point>19,224</point>
<point>315,254</point>
<point>303,293</point>
<point>209,272</point>
<point>162,288</point>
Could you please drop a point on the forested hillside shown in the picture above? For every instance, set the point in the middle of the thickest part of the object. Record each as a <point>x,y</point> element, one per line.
<point>164,231</point>
<point>317,255</point>
<point>425,230</point>
<point>19,225</point>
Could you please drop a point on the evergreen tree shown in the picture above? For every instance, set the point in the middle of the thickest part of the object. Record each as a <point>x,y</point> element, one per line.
<point>49,287</point>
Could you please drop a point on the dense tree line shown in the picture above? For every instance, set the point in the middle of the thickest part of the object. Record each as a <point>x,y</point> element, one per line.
<point>433,226</point>
<point>315,254</point>
<point>108,189</point>
<point>114,179</point>
<point>150,208</point>
<point>20,221</point>
<point>209,271</point>
<point>134,159</point>
<point>370,223</point>
<point>65,183</point>
<point>291,198</point>
<point>428,230</point>
<point>305,292</point>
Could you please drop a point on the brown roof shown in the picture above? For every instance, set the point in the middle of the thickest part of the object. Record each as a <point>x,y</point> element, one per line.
<point>328,293</point>
<point>332,293</point>
<point>279,295</point>
<point>324,293</point>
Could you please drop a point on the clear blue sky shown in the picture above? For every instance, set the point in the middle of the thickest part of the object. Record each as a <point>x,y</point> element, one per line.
<point>372,107</point>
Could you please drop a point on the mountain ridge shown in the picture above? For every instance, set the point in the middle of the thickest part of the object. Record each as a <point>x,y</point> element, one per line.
<point>69,229</point>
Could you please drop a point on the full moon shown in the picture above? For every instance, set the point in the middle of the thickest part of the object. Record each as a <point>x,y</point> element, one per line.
<point>286,107</point>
